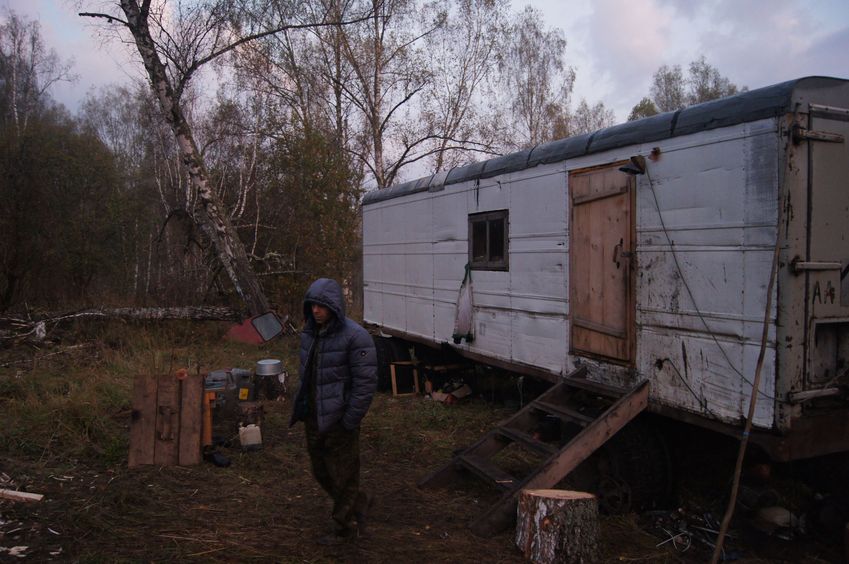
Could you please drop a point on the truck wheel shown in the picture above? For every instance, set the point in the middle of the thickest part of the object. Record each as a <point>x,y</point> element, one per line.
<point>638,457</point>
<point>632,471</point>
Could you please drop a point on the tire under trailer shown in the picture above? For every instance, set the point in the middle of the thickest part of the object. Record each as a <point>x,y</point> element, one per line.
<point>631,471</point>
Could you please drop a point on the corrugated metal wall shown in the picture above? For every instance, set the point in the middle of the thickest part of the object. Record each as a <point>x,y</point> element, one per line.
<point>718,193</point>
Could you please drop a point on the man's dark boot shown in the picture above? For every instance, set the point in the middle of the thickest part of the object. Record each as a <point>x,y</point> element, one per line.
<point>339,535</point>
<point>362,512</point>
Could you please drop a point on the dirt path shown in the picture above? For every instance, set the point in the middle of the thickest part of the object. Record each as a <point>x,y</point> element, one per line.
<point>266,507</point>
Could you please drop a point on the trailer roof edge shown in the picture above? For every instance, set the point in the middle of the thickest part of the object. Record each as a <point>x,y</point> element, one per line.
<point>752,105</point>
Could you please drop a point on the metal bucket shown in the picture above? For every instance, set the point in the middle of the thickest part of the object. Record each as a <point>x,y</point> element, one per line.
<point>271,378</point>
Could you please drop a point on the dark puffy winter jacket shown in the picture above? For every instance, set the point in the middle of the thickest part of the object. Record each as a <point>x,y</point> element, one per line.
<point>346,370</point>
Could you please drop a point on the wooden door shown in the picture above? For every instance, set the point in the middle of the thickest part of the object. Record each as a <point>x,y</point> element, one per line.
<point>600,272</point>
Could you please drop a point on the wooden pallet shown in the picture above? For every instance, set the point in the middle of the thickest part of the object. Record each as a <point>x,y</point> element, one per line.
<point>594,411</point>
<point>165,428</point>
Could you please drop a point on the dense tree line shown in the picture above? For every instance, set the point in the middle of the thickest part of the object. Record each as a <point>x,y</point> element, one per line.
<point>311,104</point>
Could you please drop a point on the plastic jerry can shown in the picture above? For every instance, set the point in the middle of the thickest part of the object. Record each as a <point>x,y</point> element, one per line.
<point>250,437</point>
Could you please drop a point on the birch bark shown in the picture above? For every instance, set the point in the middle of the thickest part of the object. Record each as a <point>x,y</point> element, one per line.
<point>209,213</point>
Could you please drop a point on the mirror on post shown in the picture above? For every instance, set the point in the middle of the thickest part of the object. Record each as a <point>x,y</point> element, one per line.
<point>268,325</point>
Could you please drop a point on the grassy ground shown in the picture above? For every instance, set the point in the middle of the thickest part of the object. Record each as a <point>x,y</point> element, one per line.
<point>64,421</point>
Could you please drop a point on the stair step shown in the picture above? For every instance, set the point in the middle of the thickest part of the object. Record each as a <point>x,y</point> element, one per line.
<point>560,400</point>
<point>486,470</point>
<point>563,412</point>
<point>555,468</point>
<point>520,437</point>
<point>598,388</point>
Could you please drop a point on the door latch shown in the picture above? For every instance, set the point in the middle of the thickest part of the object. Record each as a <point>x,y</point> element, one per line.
<point>619,253</point>
<point>800,134</point>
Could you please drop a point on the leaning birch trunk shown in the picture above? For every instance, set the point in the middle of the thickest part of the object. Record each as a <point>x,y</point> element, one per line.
<point>210,214</point>
<point>557,526</point>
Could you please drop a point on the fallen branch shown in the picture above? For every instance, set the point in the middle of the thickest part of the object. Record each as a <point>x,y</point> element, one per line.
<point>15,495</point>
<point>34,327</point>
<point>197,313</point>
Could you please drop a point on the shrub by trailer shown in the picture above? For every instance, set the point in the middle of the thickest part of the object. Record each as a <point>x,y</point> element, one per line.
<point>643,251</point>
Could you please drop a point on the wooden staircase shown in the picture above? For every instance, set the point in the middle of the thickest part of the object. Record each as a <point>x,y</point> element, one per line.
<point>589,413</point>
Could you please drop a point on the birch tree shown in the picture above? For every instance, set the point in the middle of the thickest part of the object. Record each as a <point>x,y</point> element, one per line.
<point>174,42</point>
<point>28,67</point>
<point>643,108</point>
<point>586,118</point>
<point>538,81</point>
<point>463,56</point>
<point>671,90</point>
<point>668,89</point>
<point>706,83</point>
<point>387,76</point>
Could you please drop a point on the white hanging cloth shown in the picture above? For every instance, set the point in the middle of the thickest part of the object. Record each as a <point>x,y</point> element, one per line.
<point>463,323</point>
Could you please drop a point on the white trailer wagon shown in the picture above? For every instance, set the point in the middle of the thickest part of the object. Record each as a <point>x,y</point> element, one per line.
<point>643,252</point>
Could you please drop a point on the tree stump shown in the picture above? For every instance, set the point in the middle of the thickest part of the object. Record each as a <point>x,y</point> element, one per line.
<point>557,526</point>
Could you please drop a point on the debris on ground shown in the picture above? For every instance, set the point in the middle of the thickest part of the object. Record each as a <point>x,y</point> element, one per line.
<point>65,435</point>
<point>685,530</point>
<point>451,392</point>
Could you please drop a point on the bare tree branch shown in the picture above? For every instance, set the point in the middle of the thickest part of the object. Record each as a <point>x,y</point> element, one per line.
<point>109,18</point>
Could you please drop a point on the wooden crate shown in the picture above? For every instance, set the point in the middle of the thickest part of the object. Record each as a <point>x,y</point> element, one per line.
<point>405,378</point>
<point>166,421</point>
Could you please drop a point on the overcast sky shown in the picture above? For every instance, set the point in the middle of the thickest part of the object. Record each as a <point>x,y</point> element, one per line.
<point>614,45</point>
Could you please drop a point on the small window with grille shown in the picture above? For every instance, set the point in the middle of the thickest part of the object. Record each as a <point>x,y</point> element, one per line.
<point>488,238</point>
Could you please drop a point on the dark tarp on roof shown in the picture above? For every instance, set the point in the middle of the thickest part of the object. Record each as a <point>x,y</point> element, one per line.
<point>465,172</point>
<point>770,101</point>
<point>505,164</point>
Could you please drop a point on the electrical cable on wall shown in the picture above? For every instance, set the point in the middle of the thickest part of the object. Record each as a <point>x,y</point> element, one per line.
<point>699,398</point>
<point>692,297</point>
<point>755,385</point>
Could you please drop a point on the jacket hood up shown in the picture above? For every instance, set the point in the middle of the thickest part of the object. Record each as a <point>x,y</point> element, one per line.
<point>326,292</point>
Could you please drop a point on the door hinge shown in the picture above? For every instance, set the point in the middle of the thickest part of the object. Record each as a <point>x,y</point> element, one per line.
<point>801,134</point>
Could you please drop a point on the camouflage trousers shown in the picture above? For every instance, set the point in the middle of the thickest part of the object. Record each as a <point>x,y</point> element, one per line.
<point>335,458</point>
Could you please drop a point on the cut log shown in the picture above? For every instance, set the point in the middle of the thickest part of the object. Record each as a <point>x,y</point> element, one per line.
<point>15,495</point>
<point>557,526</point>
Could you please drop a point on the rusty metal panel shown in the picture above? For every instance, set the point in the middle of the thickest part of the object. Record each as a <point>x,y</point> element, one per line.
<point>373,237</point>
<point>813,319</point>
<point>450,254</point>
<point>532,294</point>
<point>398,264</point>
<point>828,241</point>
<point>539,340</point>
<point>700,317</point>
<point>721,193</point>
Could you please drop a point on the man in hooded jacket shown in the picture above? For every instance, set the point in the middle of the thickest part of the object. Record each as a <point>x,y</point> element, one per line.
<point>338,369</point>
